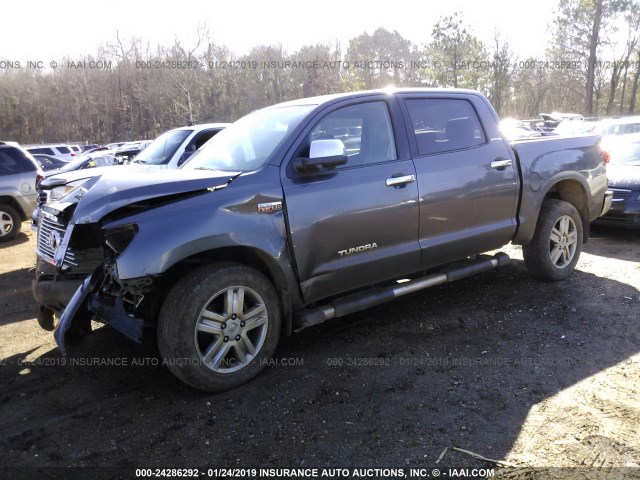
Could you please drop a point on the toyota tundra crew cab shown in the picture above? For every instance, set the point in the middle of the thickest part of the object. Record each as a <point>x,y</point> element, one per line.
<point>307,211</point>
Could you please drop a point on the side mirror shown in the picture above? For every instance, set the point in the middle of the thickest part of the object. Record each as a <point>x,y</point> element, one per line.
<point>323,155</point>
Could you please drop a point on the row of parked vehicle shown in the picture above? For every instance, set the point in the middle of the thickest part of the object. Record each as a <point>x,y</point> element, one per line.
<point>32,176</point>
<point>569,124</point>
<point>52,157</point>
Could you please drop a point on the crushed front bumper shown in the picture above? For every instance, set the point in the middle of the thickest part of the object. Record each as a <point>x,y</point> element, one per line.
<point>52,288</point>
<point>90,302</point>
<point>77,310</point>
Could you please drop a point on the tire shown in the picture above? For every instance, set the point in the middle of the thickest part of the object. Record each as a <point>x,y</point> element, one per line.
<point>557,242</point>
<point>219,326</point>
<point>10,223</point>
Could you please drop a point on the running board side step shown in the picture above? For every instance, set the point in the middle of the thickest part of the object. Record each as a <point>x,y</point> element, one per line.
<point>359,301</point>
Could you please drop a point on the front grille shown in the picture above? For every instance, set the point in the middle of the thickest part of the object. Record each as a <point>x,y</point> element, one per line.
<point>70,258</point>
<point>619,194</point>
<point>48,230</point>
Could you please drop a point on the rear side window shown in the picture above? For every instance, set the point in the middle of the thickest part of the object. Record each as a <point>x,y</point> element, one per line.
<point>13,161</point>
<point>43,151</point>
<point>622,129</point>
<point>62,149</point>
<point>442,125</point>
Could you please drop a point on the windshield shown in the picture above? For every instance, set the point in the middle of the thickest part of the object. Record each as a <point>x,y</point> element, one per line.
<point>162,149</point>
<point>627,154</point>
<point>247,143</point>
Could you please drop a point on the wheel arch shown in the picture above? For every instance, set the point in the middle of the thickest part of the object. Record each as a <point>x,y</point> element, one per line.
<point>248,256</point>
<point>567,188</point>
<point>13,203</point>
<point>573,192</point>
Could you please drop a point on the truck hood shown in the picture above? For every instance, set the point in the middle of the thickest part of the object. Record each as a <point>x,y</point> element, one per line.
<point>624,176</point>
<point>106,193</point>
<point>56,179</point>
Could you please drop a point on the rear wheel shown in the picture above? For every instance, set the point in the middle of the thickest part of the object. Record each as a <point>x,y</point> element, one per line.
<point>10,223</point>
<point>557,242</point>
<point>219,325</point>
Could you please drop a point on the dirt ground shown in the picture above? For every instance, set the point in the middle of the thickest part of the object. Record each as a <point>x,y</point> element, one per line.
<point>502,365</point>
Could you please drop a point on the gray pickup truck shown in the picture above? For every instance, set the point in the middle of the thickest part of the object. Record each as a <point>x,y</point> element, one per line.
<point>307,211</point>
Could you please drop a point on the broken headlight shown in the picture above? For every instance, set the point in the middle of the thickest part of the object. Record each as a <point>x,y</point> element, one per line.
<point>62,191</point>
<point>117,238</point>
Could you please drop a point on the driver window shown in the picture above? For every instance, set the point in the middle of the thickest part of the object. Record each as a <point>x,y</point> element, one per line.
<point>364,129</point>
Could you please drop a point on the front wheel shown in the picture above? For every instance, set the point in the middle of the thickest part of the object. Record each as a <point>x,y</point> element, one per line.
<point>219,326</point>
<point>557,242</point>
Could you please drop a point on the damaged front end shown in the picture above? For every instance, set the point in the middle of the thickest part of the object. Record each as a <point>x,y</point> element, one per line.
<point>77,279</point>
<point>80,238</point>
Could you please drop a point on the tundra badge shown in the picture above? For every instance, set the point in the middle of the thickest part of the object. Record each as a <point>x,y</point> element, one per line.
<point>361,248</point>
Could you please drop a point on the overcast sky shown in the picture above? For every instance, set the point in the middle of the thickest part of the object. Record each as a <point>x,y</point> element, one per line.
<point>48,30</point>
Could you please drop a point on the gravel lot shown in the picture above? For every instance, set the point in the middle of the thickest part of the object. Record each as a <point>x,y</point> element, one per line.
<point>502,365</point>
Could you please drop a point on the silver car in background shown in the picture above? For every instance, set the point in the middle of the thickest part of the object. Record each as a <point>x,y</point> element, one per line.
<point>19,176</point>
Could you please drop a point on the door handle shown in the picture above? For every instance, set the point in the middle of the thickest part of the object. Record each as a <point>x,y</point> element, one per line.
<point>499,163</point>
<point>399,181</point>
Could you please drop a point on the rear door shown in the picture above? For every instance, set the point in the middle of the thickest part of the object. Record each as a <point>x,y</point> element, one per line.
<point>353,227</point>
<point>467,178</point>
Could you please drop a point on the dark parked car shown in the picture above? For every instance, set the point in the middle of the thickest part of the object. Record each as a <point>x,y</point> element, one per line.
<point>49,162</point>
<point>623,173</point>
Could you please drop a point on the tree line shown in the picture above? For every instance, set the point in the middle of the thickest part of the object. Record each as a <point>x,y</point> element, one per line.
<point>130,90</point>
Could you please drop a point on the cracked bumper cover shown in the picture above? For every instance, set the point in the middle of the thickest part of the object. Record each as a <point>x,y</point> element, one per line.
<point>88,302</point>
<point>77,306</point>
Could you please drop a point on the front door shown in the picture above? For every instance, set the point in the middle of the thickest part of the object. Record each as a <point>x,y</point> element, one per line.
<point>358,224</point>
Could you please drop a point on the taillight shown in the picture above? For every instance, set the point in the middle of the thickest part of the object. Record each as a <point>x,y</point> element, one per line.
<point>39,178</point>
<point>604,153</point>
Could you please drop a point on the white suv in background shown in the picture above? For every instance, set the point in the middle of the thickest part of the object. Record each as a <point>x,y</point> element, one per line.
<point>63,152</point>
<point>173,148</point>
